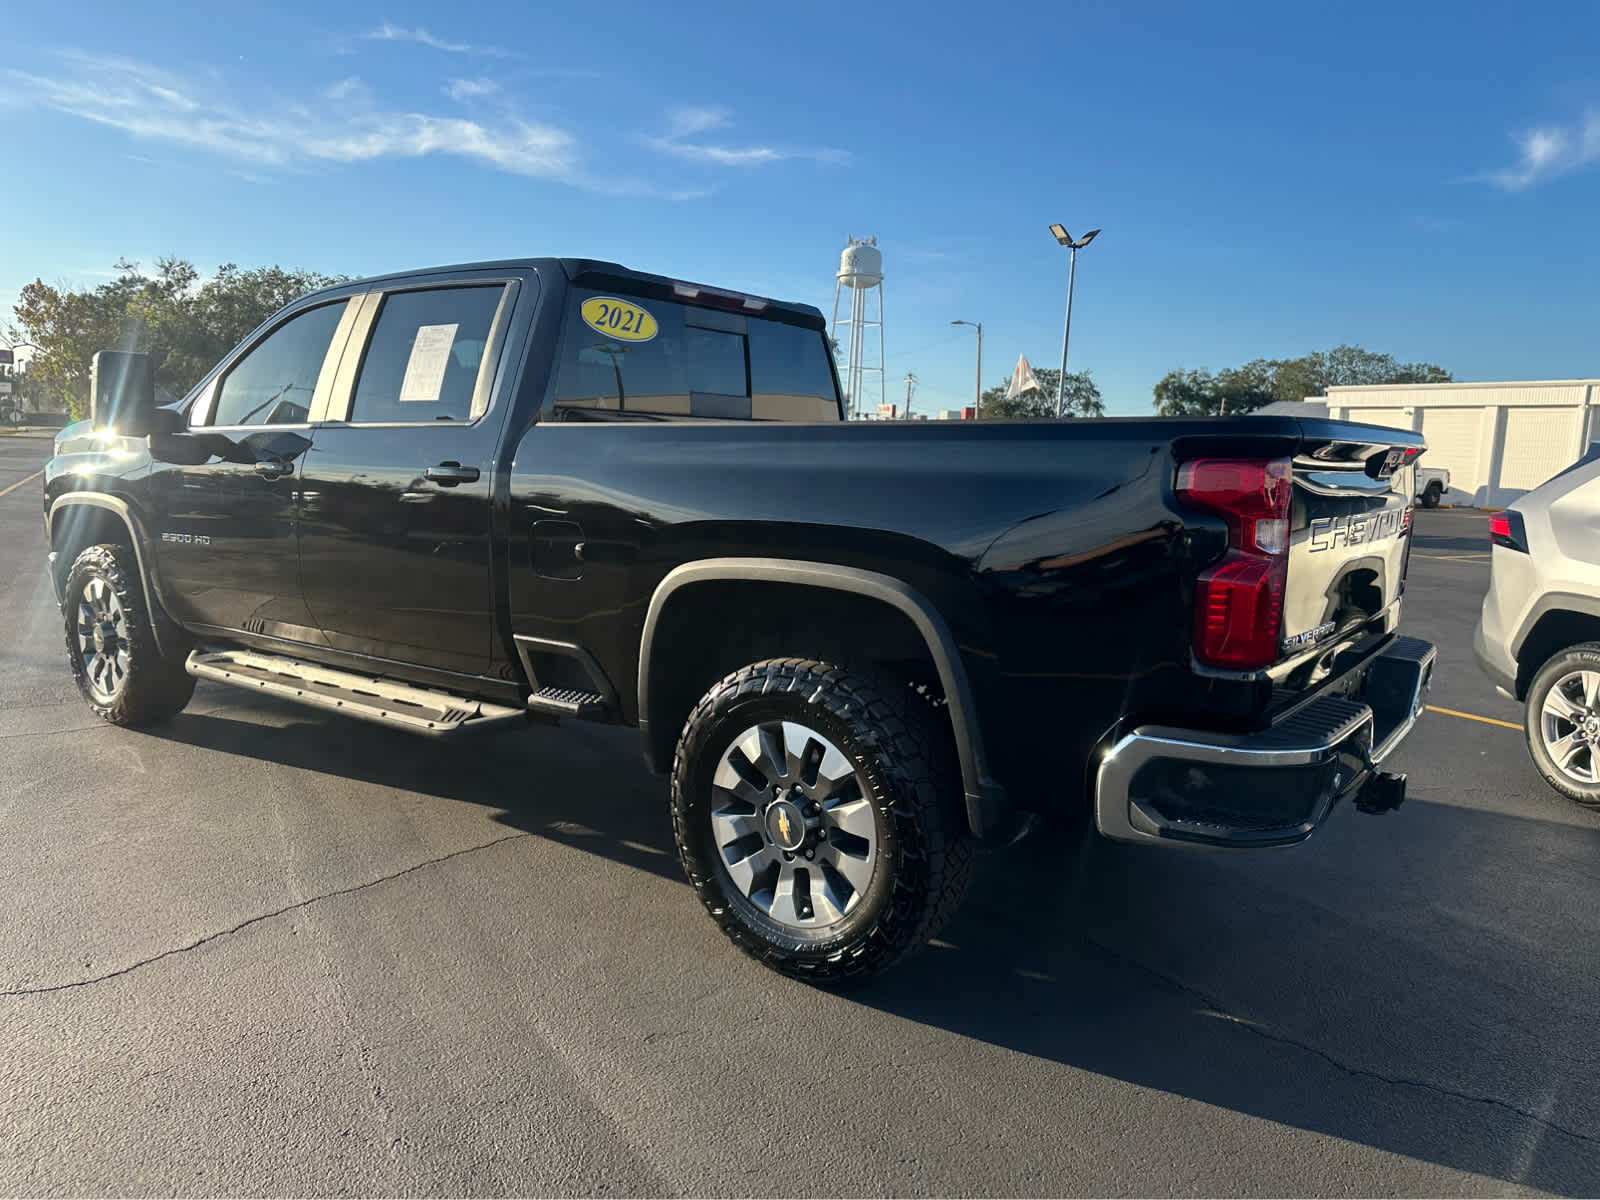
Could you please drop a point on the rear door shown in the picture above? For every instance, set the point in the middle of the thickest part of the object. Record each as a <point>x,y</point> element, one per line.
<point>395,546</point>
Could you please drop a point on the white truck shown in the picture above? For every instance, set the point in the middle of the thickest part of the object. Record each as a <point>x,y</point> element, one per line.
<point>1432,483</point>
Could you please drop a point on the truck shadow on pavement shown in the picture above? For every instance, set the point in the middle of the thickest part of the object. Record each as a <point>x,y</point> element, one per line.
<point>1186,975</point>
<point>1365,1009</point>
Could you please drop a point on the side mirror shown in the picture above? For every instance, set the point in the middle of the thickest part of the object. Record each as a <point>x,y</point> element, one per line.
<point>122,392</point>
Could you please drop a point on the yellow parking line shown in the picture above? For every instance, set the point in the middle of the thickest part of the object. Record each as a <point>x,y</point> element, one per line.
<point>1450,712</point>
<point>20,482</point>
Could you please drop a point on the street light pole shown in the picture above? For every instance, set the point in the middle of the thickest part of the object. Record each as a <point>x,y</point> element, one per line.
<point>1065,238</point>
<point>977,391</point>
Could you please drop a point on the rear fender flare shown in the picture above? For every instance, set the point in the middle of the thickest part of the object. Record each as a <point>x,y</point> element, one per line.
<point>988,808</point>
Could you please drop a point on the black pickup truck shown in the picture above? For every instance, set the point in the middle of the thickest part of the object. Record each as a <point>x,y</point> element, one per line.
<point>557,489</point>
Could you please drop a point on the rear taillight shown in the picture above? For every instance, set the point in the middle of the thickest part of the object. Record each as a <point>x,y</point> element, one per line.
<point>1506,529</point>
<point>1239,602</point>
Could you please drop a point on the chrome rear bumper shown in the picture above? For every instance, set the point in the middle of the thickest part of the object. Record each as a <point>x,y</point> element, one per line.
<point>1273,787</point>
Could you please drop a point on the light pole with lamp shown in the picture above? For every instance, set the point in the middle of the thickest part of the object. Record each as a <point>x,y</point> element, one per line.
<point>1065,238</point>
<point>977,396</point>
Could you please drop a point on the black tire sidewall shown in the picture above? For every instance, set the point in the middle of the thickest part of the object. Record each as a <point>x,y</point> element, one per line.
<point>1581,657</point>
<point>1431,495</point>
<point>156,687</point>
<point>706,750</point>
<point>886,923</point>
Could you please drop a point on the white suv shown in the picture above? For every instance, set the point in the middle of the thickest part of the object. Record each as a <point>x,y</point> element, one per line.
<point>1539,635</point>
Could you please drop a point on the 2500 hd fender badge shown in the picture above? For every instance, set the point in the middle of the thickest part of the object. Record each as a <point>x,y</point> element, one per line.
<point>186,539</point>
<point>1329,533</point>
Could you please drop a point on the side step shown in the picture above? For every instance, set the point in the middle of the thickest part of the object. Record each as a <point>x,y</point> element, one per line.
<point>371,698</point>
<point>569,702</point>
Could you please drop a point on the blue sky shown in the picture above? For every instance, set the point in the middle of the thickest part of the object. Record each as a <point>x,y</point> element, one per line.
<point>1271,178</point>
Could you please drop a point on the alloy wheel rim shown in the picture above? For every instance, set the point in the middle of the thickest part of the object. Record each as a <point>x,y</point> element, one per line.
<point>103,640</point>
<point>1569,723</point>
<point>793,825</point>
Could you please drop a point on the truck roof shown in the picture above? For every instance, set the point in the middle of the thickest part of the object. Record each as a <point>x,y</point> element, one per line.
<point>594,272</point>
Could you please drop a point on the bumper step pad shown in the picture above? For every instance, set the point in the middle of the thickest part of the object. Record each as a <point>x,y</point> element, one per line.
<point>568,702</point>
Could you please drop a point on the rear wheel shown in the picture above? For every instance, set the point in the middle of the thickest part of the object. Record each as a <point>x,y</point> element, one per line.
<point>121,672</point>
<point>1432,494</point>
<point>817,816</point>
<point>1562,723</point>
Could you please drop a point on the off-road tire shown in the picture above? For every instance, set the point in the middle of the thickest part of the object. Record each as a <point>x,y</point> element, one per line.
<point>156,686</point>
<point>902,752</point>
<point>1585,657</point>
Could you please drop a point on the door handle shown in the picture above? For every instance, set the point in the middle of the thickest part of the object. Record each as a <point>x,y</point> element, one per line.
<point>273,470</point>
<point>448,474</point>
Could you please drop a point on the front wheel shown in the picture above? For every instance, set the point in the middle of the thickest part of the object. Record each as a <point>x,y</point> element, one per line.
<point>1563,723</point>
<point>1432,494</point>
<point>119,668</point>
<point>817,815</point>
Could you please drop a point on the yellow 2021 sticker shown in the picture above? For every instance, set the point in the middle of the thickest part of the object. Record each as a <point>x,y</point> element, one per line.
<point>619,319</point>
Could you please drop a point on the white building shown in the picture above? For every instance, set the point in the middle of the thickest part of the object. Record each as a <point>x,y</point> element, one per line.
<point>1498,440</point>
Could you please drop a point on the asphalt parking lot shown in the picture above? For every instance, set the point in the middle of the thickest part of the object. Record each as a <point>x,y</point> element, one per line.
<point>267,951</point>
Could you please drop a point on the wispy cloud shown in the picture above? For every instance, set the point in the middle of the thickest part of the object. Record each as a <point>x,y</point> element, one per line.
<point>343,126</point>
<point>1548,151</point>
<point>347,89</point>
<point>683,140</point>
<point>388,32</point>
<point>461,90</point>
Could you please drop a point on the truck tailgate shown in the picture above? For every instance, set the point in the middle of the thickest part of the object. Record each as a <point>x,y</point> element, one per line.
<point>1349,544</point>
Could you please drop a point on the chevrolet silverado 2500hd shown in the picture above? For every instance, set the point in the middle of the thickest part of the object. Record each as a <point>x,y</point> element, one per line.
<point>558,489</point>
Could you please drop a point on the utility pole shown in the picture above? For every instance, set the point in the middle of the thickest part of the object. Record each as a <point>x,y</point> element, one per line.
<point>911,384</point>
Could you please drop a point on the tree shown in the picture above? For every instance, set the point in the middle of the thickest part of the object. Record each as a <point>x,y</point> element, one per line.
<point>185,326</point>
<point>1082,397</point>
<point>1183,393</point>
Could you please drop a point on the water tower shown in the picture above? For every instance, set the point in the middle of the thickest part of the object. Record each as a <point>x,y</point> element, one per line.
<point>860,270</point>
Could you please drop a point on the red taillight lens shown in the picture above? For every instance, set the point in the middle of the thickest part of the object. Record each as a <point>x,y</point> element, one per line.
<point>1508,529</point>
<point>1239,611</point>
<point>1239,601</point>
<point>1252,495</point>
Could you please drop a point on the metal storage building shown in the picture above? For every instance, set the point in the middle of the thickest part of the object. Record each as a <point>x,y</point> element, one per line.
<point>1498,440</point>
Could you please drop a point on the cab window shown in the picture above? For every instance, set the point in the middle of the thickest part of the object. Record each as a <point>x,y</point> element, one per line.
<point>425,355</point>
<point>701,362</point>
<point>274,381</point>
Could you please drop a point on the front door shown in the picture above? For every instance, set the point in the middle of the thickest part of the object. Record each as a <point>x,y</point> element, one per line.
<point>395,544</point>
<point>224,517</point>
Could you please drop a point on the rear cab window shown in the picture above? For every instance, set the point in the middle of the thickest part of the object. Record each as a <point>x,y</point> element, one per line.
<point>651,358</point>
